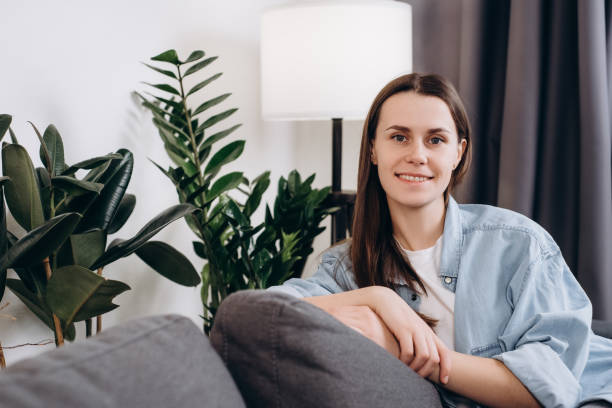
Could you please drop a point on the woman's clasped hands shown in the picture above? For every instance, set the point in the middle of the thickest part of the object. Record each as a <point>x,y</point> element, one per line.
<point>390,322</point>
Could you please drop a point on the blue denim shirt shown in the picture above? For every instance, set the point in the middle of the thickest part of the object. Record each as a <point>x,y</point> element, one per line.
<point>515,300</point>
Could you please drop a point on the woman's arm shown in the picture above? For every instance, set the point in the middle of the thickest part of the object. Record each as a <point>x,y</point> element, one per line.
<point>484,380</point>
<point>419,347</point>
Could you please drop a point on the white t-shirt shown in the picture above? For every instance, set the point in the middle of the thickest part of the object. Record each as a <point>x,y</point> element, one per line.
<point>439,303</point>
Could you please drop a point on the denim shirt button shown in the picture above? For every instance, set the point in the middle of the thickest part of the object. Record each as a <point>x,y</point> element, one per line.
<point>448,280</point>
<point>414,297</point>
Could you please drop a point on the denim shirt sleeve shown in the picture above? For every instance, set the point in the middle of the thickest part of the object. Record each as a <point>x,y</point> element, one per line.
<point>332,276</point>
<point>551,312</point>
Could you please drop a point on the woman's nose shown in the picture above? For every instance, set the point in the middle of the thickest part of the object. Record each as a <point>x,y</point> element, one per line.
<point>416,153</point>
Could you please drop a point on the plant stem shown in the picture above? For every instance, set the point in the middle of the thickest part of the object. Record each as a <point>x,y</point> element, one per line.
<point>2,361</point>
<point>59,336</point>
<point>99,317</point>
<point>194,146</point>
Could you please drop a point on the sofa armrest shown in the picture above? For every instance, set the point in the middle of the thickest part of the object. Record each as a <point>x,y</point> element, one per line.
<point>284,352</point>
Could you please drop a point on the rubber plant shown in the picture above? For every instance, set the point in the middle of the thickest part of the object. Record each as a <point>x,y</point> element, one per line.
<point>238,255</point>
<point>67,220</point>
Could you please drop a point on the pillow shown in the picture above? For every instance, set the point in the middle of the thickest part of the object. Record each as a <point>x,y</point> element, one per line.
<point>160,361</point>
<point>284,352</point>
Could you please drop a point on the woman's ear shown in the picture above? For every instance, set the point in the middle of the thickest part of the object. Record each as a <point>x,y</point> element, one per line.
<point>460,150</point>
<point>373,155</point>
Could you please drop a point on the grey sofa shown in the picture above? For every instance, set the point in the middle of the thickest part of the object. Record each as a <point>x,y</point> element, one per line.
<point>265,350</point>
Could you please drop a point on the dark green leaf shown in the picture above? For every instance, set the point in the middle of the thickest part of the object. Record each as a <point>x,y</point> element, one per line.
<point>164,124</point>
<point>224,183</point>
<point>198,248</point>
<point>196,67</point>
<point>232,211</point>
<point>261,185</point>
<point>119,248</point>
<point>82,249</point>
<point>75,187</point>
<point>167,56</point>
<point>194,56</point>
<point>202,84</point>
<point>31,301</point>
<point>90,163</point>
<point>45,156</point>
<point>215,119</point>
<point>218,136</point>
<point>161,71</point>
<point>13,137</point>
<point>225,155</point>
<point>165,88</point>
<point>3,238</point>
<point>22,194</point>
<point>169,263</point>
<point>5,123</point>
<point>128,202</point>
<point>55,147</point>
<point>101,301</point>
<point>101,212</point>
<point>210,103</point>
<point>40,242</point>
<point>71,287</point>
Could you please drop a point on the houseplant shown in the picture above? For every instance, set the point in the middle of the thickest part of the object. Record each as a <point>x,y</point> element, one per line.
<point>238,254</point>
<point>67,221</point>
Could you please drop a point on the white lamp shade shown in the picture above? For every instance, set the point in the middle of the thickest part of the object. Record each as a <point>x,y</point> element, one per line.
<point>329,59</point>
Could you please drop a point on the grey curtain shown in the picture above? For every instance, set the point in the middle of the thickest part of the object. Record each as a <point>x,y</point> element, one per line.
<point>535,76</point>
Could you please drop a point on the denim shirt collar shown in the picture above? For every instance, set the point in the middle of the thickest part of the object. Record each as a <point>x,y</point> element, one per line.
<point>452,242</point>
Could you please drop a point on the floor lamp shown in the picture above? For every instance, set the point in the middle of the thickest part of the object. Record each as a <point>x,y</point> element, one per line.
<point>323,60</point>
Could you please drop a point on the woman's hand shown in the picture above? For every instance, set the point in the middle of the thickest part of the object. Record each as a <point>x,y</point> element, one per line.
<point>420,348</point>
<point>365,321</point>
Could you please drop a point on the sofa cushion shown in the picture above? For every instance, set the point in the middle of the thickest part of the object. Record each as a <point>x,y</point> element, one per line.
<point>161,361</point>
<point>284,352</point>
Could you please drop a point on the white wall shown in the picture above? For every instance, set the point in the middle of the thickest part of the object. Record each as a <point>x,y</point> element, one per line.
<point>74,64</point>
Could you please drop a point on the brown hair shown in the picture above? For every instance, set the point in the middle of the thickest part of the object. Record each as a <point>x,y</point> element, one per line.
<point>376,257</point>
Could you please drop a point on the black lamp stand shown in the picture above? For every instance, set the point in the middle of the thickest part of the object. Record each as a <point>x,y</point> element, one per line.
<point>341,219</point>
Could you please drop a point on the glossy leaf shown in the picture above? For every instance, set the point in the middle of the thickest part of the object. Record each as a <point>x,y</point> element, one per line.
<point>101,212</point>
<point>165,87</point>
<point>75,187</point>
<point>210,103</point>
<point>5,123</point>
<point>40,242</point>
<point>45,156</point>
<point>228,153</point>
<point>202,84</point>
<point>22,194</point>
<point>218,136</point>
<point>167,56</point>
<point>90,163</point>
<point>161,71</point>
<point>159,122</point>
<point>74,289</point>
<point>55,147</point>
<point>261,184</point>
<point>3,238</point>
<point>223,184</point>
<point>213,120</point>
<point>120,248</point>
<point>198,248</point>
<point>196,67</point>
<point>169,263</point>
<point>82,249</point>
<point>194,56</point>
<point>126,206</point>
<point>13,137</point>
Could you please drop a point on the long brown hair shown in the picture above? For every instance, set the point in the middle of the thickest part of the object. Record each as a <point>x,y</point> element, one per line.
<point>376,257</point>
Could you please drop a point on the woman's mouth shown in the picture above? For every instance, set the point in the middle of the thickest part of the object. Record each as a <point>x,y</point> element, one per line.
<point>413,178</point>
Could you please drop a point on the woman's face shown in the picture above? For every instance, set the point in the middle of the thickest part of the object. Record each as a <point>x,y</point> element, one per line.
<point>416,149</point>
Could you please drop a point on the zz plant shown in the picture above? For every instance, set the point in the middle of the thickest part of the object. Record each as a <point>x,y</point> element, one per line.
<point>67,220</point>
<point>238,254</point>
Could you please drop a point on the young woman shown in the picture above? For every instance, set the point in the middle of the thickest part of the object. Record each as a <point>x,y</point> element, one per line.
<point>475,298</point>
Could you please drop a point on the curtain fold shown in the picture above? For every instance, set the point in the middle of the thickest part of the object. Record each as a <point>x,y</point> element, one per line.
<point>535,76</point>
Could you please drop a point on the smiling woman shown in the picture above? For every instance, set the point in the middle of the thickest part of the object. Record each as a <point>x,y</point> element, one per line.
<point>476,299</point>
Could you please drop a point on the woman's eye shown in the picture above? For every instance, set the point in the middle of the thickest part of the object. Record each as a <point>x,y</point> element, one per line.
<point>436,140</point>
<point>399,138</point>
